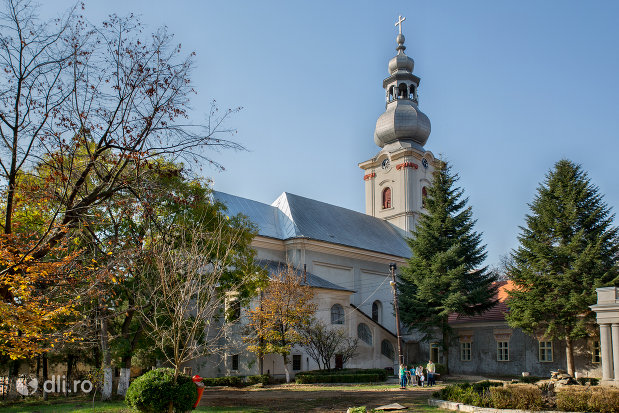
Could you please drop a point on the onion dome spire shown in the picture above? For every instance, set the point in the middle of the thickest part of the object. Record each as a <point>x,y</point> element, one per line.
<point>402,120</point>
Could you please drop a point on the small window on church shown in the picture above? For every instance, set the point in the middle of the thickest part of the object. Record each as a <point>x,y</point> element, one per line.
<point>390,93</point>
<point>424,195</point>
<point>386,198</point>
<point>337,314</point>
<point>412,95</point>
<point>376,311</point>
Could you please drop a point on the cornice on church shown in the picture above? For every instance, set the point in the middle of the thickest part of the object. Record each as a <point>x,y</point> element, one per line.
<point>399,154</point>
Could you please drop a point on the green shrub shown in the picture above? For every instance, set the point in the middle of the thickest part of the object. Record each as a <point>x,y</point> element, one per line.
<point>588,380</point>
<point>361,409</point>
<point>530,379</point>
<point>598,399</point>
<point>476,394</point>
<point>258,379</point>
<point>604,400</point>
<point>516,396</point>
<point>337,378</point>
<point>230,381</point>
<point>440,369</point>
<point>573,399</point>
<point>380,372</point>
<point>483,386</point>
<point>153,391</point>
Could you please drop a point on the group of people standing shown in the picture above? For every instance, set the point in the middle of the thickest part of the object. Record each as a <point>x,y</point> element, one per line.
<point>415,375</point>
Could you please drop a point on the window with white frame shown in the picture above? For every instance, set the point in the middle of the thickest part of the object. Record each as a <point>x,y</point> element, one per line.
<point>595,352</point>
<point>465,351</point>
<point>436,355</point>
<point>545,351</point>
<point>502,350</point>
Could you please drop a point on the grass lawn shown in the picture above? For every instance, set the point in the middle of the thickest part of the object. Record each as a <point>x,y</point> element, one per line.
<point>256,399</point>
<point>100,407</point>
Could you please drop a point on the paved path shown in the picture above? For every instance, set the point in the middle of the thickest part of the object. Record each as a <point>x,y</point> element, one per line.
<point>310,398</point>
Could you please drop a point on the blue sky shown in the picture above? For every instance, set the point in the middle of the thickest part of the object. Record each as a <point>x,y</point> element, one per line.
<point>510,88</point>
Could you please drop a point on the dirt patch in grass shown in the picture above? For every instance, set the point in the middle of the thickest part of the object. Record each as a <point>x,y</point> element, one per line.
<point>312,398</point>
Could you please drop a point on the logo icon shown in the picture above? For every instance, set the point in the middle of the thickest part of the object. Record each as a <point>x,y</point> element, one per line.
<point>27,386</point>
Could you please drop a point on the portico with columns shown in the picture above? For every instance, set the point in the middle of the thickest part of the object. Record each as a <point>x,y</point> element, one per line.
<point>607,311</point>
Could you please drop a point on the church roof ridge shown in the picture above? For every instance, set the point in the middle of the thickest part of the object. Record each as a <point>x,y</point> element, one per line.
<point>295,216</point>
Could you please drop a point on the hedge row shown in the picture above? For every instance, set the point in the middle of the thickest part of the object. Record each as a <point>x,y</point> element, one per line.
<point>588,399</point>
<point>476,394</point>
<point>529,397</point>
<point>338,378</point>
<point>380,372</point>
<point>236,381</point>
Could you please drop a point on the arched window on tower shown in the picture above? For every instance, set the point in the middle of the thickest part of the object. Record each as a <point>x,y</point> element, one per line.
<point>377,310</point>
<point>424,195</point>
<point>386,198</point>
<point>390,94</point>
<point>402,92</point>
<point>412,94</point>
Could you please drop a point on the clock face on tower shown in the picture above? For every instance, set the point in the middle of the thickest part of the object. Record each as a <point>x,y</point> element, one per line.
<point>386,165</point>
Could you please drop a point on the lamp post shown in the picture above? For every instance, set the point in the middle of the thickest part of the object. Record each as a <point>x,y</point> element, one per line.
<point>392,268</point>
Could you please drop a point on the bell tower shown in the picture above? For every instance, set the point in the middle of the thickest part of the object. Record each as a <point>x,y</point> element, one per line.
<point>397,177</point>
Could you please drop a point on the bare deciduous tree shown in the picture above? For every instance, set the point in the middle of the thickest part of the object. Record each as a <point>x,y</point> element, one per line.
<point>182,295</point>
<point>324,342</point>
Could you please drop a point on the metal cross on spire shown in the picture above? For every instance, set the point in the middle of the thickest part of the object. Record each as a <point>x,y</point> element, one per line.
<point>399,22</point>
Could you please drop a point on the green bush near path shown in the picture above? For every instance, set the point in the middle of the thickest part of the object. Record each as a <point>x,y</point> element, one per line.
<point>531,397</point>
<point>341,376</point>
<point>153,391</point>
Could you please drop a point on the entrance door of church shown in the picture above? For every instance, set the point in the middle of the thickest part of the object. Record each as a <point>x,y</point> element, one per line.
<point>339,362</point>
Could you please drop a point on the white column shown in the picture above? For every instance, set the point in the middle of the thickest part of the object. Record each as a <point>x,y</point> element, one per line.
<point>615,340</point>
<point>606,352</point>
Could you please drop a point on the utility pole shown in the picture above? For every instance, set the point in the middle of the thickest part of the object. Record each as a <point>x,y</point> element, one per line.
<point>261,345</point>
<point>392,268</point>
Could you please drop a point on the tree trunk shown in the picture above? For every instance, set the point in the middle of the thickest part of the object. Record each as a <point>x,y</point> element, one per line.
<point>45,377</point>
<point>70,363</point>
<point>13,373</point>
<point>125,376</point>
<point>286,369</point>
<point>445,350</point>
<point>108,377</point>
<point>569,355</point>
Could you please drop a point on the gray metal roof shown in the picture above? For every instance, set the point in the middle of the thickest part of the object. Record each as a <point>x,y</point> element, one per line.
<point>293,216</point>
<point>274,267</point>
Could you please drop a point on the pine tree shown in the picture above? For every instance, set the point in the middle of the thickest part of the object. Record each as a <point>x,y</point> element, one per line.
<point>567,250</point>
<point>445,273</point>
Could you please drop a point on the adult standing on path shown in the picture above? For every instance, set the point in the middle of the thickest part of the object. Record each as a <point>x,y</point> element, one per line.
<point>431,368</point>
<point>402,376</point>
<point>419,373</point>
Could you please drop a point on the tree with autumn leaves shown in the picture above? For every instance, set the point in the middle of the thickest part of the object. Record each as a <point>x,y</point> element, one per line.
<point>285,309</point>
<point>93,119</point>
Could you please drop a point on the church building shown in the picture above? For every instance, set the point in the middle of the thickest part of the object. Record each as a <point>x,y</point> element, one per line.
<point>345,256</point>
